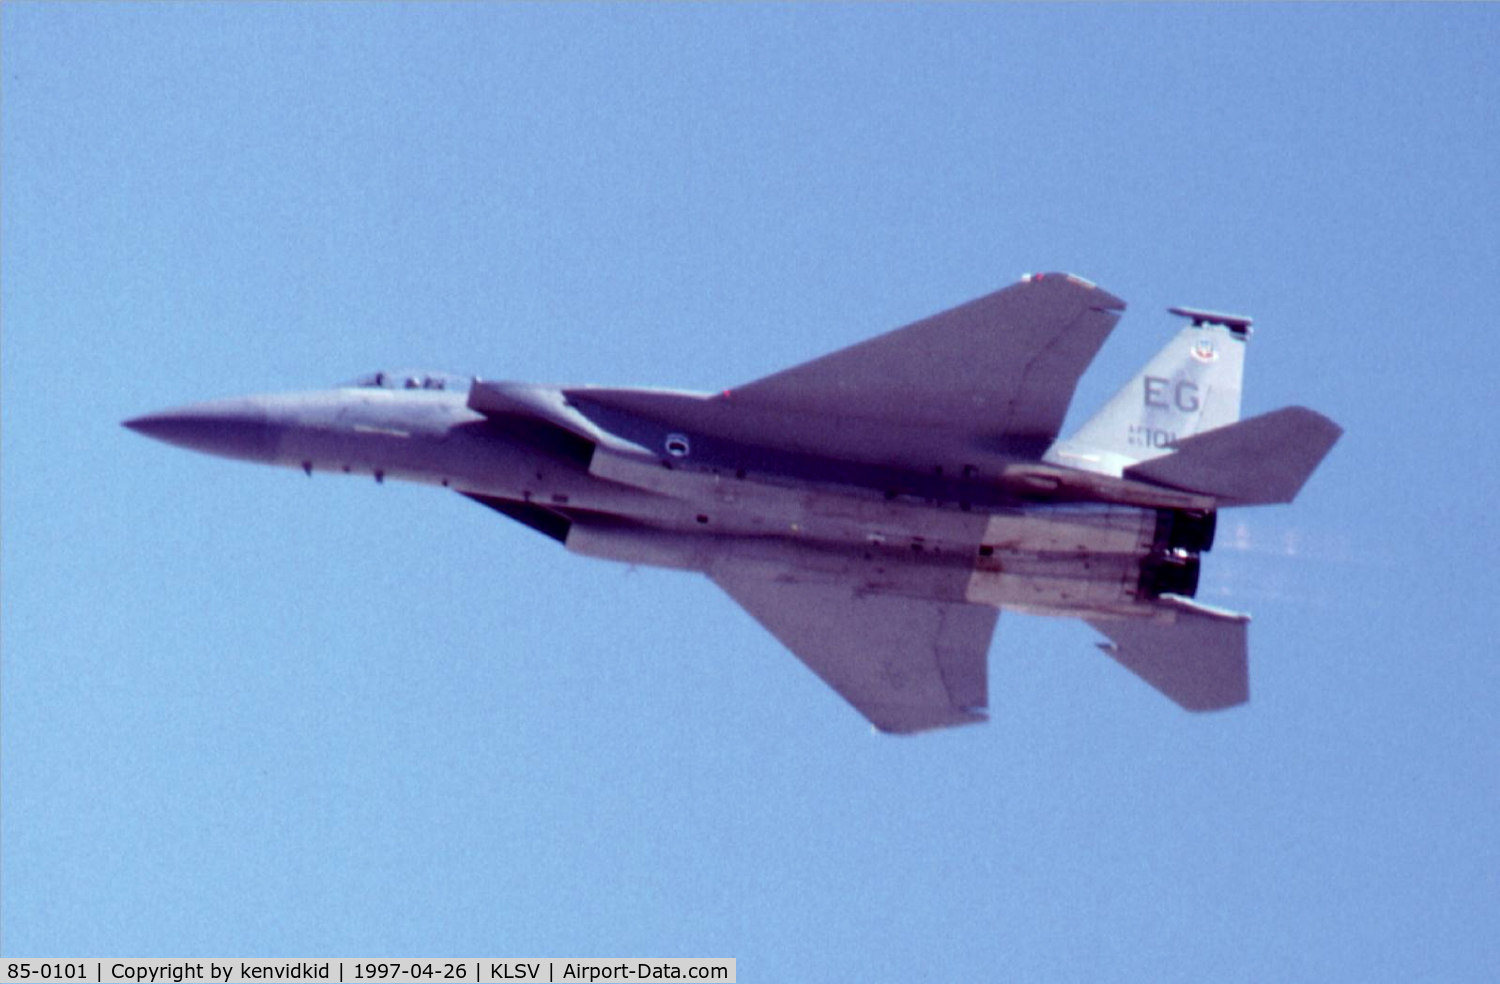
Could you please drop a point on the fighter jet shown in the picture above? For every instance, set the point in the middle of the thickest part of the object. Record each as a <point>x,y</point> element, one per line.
<point>876,508</point>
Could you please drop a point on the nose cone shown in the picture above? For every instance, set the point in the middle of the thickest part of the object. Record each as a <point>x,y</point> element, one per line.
<point>228,428</point>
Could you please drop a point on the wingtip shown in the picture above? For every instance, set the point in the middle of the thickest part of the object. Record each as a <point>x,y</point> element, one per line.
<point>1102,298</point>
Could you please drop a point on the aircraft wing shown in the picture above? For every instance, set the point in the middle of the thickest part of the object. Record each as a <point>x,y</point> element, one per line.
<point>1004,366</point>
<point>906,664</point>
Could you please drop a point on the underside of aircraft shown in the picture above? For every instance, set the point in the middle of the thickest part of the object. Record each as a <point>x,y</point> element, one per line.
<point>876,508</point>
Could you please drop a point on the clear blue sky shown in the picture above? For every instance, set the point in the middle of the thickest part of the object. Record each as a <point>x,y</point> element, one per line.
<point>245,713</point>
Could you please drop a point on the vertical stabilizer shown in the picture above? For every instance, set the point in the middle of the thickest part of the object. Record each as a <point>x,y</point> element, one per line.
<point>1191,386</point>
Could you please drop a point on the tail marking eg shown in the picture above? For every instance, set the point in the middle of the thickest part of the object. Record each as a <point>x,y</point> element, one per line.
<point>1190,386</point>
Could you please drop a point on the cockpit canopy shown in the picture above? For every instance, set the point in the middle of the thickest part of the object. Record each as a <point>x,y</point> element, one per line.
<point>411,379</point>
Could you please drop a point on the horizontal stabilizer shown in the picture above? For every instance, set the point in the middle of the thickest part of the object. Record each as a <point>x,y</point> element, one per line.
<point>1259,461</point>
<point>1200,659</point>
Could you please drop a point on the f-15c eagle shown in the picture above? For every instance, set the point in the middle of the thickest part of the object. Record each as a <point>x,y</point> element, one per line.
<point>875,508</point>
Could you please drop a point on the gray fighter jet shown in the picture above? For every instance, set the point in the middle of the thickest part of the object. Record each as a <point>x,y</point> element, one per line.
<point>875,508</point>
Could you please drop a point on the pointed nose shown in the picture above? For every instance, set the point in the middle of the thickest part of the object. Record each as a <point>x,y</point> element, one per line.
<point>228,428</point>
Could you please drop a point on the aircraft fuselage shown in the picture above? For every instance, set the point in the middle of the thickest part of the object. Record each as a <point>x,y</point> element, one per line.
<point>949,538</point>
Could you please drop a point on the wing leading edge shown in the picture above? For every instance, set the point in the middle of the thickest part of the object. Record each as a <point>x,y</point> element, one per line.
<point>906,664</point>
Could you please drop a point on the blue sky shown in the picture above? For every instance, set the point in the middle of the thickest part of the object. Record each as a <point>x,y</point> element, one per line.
<point>249,713</point>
